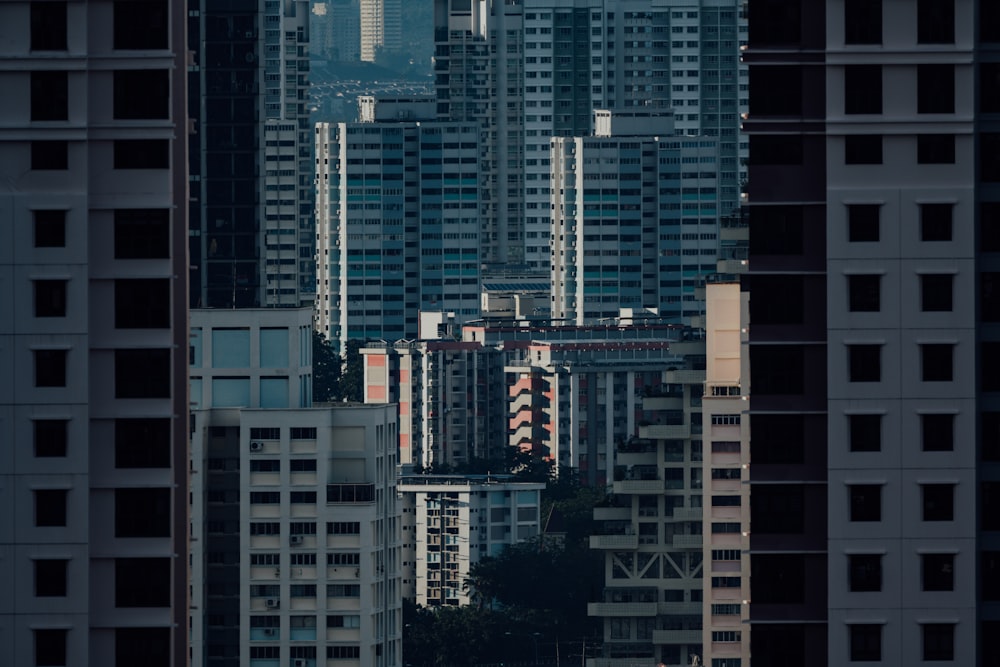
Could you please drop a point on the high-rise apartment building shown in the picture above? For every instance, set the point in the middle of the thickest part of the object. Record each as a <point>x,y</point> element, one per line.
<point>635,219</point>
<point>398,228</point>
<point>93,333</point>
<point>873,215</point>
<point>251,211</point>
<point>381,27</point>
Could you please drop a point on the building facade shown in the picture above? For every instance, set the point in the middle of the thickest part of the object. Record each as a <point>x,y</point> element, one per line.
<point>93,324</point>
<point>381,27</point>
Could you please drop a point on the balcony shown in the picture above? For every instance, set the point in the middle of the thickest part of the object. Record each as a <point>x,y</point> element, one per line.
<point>687,541</point>
<point>637,486</point>
<point>662,403</point>
<point>614,541</point>
<point>687,513</point>
<point>612,513</point>
<point>676,636</point>
<point>665,431</point>
<point>685,376</point>
<point>621,609</point>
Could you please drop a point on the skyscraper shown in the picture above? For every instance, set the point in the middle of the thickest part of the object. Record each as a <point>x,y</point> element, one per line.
<point>381,27</point>
<point>93,329</point>
<point>873,217</point>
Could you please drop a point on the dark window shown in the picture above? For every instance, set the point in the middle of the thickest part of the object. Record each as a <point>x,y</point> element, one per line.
<point>936,362</point>
<point>862,21</point>
<point>938,641</point>
<point>990,507</point>
<point>48,26</point>
<point>936,149</point>
<point>776,149</point>
<point>866,642</point>
<point>937,432</point>
<point>935,21</point>
<point>777,508</point>
<point>863,149</point>
<point>990,436</point>
<point>140,25</point>
<point>864,293</point>
<point>776,230</point>
<point>142,443</point>
<point>50,507</point>
<point>50,648</point>
<point>937,572</point>
<point>778,369</point>
<point>777,578</point>
<point>864,572</point>
<point>50,438</point>
<point>142,303</point>
<point>864,363</point>
<point>935,88</point>
<point>142,233</point>
<point>142,154</point>
<point>863,223</point>
<point>989,157</point>
<point>938,502</point>
<point>990,570</point>
<point>778,300</point>
<point>989,361</point>
<point>49,95</point>
<point>50,155</point>
<point>776,22</point>
<point>143,373</point>
<point>989,87</point>
<point>149,647</point>
<point>865,433</point>
<point>50,368</point>
<point>776,91</point>
<point>777,438</point>
<point>50,298</point>
<point>50,229</point>
<point>935,222</point>
<point>142,94</point>
<point>142,512</point>
<point>989,22</point>
<point>866,502</point>
<point>142,582</point>
<point>989,226</point>
<point>989,296</point>
<point>863,89</point>
<point>936,292</point>
<point>50,578</point>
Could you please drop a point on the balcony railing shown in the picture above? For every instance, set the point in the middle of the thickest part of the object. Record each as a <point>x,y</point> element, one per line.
<point>350,493</point>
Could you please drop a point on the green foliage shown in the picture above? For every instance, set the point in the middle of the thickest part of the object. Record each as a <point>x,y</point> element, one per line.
<point>352,381</point>
<point>327,369</point>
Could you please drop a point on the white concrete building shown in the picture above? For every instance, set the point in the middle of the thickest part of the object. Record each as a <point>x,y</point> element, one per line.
<point>93,324</point>
<point>450,522</point>
<point>381,27</point>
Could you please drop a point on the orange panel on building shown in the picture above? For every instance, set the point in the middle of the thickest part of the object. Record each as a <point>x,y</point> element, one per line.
<point>376,392</point>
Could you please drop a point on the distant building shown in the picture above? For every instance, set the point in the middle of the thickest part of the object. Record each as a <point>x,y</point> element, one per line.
<point>451,522</point>
<point>381,28</point>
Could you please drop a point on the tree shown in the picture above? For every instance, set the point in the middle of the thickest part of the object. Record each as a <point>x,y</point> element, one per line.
<point>352,381</point>
<point>327,370</point>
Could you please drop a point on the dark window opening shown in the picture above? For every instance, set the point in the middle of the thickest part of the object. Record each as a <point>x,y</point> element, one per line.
<point>50,507</point>
<point>863,223</point>
<point>865,642</point>
<point>49,228</point>
<point>142,303</point>
<point>777,509</point>
<point>863,149</point>
<point>50,155</point>
<point>777,579</point>
<point>776,149</point>
<point>863,89</point>
<point>50,438</point>
<point>938,501</point>
<point>776,230</point>
<point>141,94</point>
<point>50,648</point>
<point>935,88</point>
<point>989,296</point>
<point>776,91</point>
<point>938,641</point>
<point>989,226</point>
<point>142,443</point>
<point>141,25</point>
<point>865,572</point>
<point>989,424</point>
<point>936,292</point>
<point>142,512</point>
<point>48,26</point>
<point>142,582</point>
<point>142,154</point>
<point>778,300</point>
<point>143,373</point>
<point>149,647</point>
<point>935,222</point>
<point>776,22</point>
<point>936,149</point>
<point>864,293</point>
<point>936,360</point>
<point>865,502</point>
<point>777,439</point>
<point>862,21</point>
<point>937,432</point>
<point>50,368</point>
<point>50,298</point>
<point>864,363</point>
<point>142,233</point>
<point>937,572</point>
<point>989,87</point>
<point>49,95</point>
<point>935,21</point>
<point>778,369</point>
<point>865,433</point>
<point>989,157</point>
<point>50,578</point>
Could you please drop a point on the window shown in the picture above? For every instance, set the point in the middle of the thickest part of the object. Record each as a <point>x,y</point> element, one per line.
<point>265,498</point>
<point>776,91</point>
<point>142,582</point>
<point>142,443</point>
<point>50,578</point>
<point>50,155</point>
<point>935,222</point>
<point>936,149</point>
<point>304,590</point>
<point>989,569</point>
<point>142,233</point>
<point>50,368</point>
<point>937,572</point>
<point>50,646</point>
<point>302,432</point>
<point>864,572</point>
<point>938,641</point>
<point>864,293</point>
<point>339,621</point>
<point>50,298</point>
<point>989,157</point>
<point>343,528</point>
<point>863,89</point>
<point>989,87</point>
<point>937,432</point>
<point>50,438</point>
<point>776,230</point>
<point>140,25</point>
<point>302,497</point>
<point>142,512</point>
<point>302,465</point>
<point>142,154</point>
<point>343,652</point>
<point>142,373</point>
<point>142,303</point>
<point>775,22</point>
<point>865,642</point>
<point>863,149</point>
<point>50,507</point>
<point>48,26</point>
<point>935,88</point>
<point>49,229</point>
<point>864,363</point>
<point>142,94</point>
<point>990,435</point>
<point>862,21</point>
<point>149,647</point>
<point>265,528</point>
<point>866,502</point>
<point>342,590</point>
<point>938,502</point>
<point>936,292</point>
<point>863,223</point>
<point>49,95</point>
<point>865,432</point>
<point>935,21</point>
<point>936,362</point>
<point>776,508</point>
<point>775,149</point>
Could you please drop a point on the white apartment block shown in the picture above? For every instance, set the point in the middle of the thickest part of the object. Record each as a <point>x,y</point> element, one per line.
<point>93,322</point>
<point>451,522</point>
<point>381,27</point>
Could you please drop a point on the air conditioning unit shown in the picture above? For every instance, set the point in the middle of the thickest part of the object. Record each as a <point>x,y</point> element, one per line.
<point>256,446</point>
<point>295,540</point>
<point>270,632</point>
<point>272,603</point>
